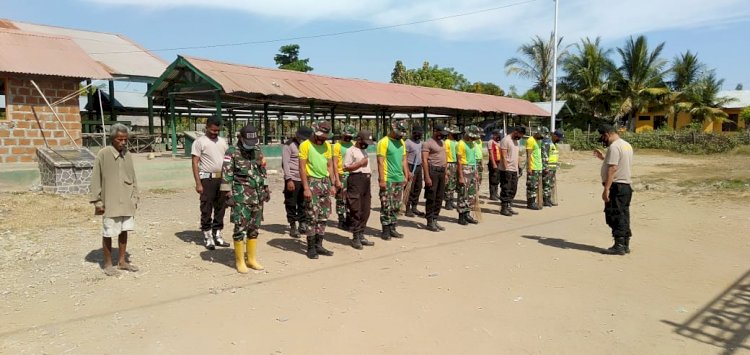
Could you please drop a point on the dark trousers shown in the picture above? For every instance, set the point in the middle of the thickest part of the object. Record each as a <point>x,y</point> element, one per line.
<point>617,210</point>
<point>213,205</point>
<point>416,187</point>
<point>494,175</point>
<point>358,200</point>
<point>508,185</point>
<point>434,194</point>
<point>294,203</point>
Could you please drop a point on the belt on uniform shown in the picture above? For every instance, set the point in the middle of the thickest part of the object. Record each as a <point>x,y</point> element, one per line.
<point>366,174</point>
<point>204,175</point>
<point>452,162</point>
<point>437,168</point>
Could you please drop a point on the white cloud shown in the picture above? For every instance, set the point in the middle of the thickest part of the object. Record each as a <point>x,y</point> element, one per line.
<point>611,19</point>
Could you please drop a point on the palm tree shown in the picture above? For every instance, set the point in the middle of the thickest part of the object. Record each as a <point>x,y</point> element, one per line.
<point>640,78</point>
<point>701,99</point>
<point>535,63</point>
<point>686,69</point>
<point>586,83</point>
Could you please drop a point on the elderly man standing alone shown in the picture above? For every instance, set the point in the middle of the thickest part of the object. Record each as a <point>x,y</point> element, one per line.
<point>114,193</point>
<point>208,157</point>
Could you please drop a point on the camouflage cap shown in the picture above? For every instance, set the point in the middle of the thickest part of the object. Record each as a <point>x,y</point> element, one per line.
<point>544,131</point>
<point>399,126</point>
<point>454,129</point>
<point>471,131</point>
<point>349,130</point>
<point>321,128</point>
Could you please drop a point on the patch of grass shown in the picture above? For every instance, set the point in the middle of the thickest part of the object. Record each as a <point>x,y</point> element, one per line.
<point>566,166</point>
<point>743,150</point>
<point>718,184</point>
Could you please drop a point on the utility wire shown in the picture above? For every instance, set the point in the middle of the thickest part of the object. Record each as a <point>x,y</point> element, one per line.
<point>330,34</point>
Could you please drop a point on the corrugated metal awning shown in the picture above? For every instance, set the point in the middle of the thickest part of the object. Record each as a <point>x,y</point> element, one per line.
<point>36,53</point>
<point>120,56</point>
<point>296,87</point>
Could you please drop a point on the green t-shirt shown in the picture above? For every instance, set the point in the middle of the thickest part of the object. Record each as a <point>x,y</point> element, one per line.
<point>466,153</point>
<point>317,158</point>
<point>536,154</point>
<point>393,151</point>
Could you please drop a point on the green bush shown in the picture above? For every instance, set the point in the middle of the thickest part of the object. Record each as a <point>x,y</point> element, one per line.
<point>687,142</point>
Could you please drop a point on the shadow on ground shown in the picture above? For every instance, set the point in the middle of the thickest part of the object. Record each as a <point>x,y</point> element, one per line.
<point>220,255</point>
<point>191,237</point>
<point>96,256</point>
<point>563,244</point>
<point>724,322</point>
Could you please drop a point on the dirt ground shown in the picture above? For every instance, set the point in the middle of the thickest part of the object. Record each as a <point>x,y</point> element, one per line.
<point>531,284</point>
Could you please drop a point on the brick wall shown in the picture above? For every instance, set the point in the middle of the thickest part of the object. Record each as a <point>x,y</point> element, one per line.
<point>20,132</point>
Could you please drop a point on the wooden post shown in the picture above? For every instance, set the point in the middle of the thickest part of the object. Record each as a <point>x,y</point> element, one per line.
<point>173,123</point>
<point>112,115</point>
<point>266,126</point>
<point>150,109</point>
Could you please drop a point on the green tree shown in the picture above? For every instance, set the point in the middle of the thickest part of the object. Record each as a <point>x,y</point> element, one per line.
<point>739,86</point>
<point>639,80</point>
<point>535,63</point>
<point>745,117</point>
<point>400,74</point>
<point>485,88</point>
<point>586,83</point>
<point>532,95</point>
<point>288,58</point>
<point>701,99</point>
<point>686,70</point>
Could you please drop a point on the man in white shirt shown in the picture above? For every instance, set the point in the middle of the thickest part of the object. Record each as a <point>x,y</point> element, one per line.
<point>208,157</point>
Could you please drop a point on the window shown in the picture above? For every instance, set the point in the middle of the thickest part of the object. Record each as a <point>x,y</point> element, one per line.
<point>644,118</point>
<point>659,122</point>
<point>730,125</point>
<point>3,103</point>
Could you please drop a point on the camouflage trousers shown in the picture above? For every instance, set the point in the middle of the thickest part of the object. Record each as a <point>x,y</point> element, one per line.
<point>480,171</point>
<point>549,178</point>
<point>532,183</point>
<point>341,196</point>
<point>318,208</point>
<point>390,202</point>
<point>246,219</point>
<point>451,181</point>
<point>467,193</point>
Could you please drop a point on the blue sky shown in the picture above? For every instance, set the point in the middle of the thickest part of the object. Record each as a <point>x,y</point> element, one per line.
<point>476,45</point>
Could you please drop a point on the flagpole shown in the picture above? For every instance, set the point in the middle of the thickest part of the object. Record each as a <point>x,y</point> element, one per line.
<point>554,71</point>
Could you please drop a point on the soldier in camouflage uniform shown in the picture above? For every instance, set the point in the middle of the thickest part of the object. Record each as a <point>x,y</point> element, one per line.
<point>451,170</point>
<point>244,174</point>
<point>534,168</point>
<point>467,175</point>
<point>549,174</point>
<point>393,172</point>
<point>319,181</point>
<point>339,151</point>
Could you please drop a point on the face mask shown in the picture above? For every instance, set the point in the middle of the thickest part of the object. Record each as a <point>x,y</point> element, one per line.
<point>347,139</point>
<point>364,145</point>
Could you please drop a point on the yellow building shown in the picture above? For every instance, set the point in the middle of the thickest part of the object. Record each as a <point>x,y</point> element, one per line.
<point>648,121</point>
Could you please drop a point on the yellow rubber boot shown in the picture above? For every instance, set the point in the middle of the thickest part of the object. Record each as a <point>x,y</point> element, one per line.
<point>251,250</point>
<point>239,257</point>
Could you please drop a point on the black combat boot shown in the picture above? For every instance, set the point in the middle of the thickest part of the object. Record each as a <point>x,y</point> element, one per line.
<point>293,232</point>
<point>409,211</point>
<point>311,252</point>
<point>462,219</point>
<point>416,211</point>
<point>439,227</point>
<point>364,241</point>
<point>342,222</point>
<point>547,202</point>
<point>532,205</point>
<point>449,205</point>
<point>394,232</point>
<point>356,242</point>
<point>510,208</point>
<point>469,218</point>
<point>626,244</point>
<point>386,233</point>
<point>617,249</point>
<point>319,246</point>
<point>505,209</point>
<point>493,193</point>
<point>431,226</point>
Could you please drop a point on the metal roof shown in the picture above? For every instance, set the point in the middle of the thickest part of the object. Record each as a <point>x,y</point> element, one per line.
<point>120,56</point>
<point>35,53</point>
<point>286,86</point>
<point>741,98</point>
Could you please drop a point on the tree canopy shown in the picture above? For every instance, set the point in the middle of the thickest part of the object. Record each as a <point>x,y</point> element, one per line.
<point>444,78</point>
<point>288,58</point>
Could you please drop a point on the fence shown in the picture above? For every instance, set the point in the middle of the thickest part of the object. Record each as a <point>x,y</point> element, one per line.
<point>689,142</point>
